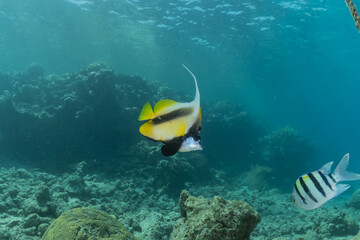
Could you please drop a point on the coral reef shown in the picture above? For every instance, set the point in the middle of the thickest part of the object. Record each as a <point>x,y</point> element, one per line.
<point>21,188</point>
<point>231,131</point>
<point>56,120</point>
<point>35,71</point>
<point>355,200</point>
<point>214,219</point>
<point>75,116</point>
<point>86,223</point>
<point>286,152</point>
<point>257,177</point>
<point>31,199</point>
<point>174,173</point>
<point>81,131</point>
<point>281,220</point>
<point>339,225</point>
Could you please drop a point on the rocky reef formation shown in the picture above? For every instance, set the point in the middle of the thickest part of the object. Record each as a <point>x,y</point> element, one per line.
<point>87,115</point>
<point>53,121</point>
<point>281,220</point>
<point>86,223</point>
<point>286,152</point>
<point>355,200</point>
<point>230,132</point>
<point>338,225</point>
<point>56,120</point>
<point>171,174</point>
<point>92,114</point>
<point>31,199</point>
<point>214,219</point>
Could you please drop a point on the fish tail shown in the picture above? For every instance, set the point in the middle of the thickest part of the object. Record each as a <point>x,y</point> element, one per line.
<point>197,93</point>
<point>146,112</point>
<point>340,172</point>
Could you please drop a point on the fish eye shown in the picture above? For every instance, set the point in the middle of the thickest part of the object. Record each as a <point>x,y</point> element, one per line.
<point>294,201</point>
<point>199,128</point>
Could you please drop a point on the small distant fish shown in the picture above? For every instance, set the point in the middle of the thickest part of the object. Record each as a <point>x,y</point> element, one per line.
<point>175,124</point>
<point>316,188</point>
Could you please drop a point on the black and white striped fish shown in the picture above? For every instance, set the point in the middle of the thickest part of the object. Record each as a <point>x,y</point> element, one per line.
<point>313,189</point>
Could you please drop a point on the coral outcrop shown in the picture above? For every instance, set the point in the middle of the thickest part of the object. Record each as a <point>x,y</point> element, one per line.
<point>214,219</point>
<point>66,118</point>
<point>338,224</point>
<point>355,200</point>
<point>286,152</point>
<point>230,130</point>
<point>86,223</point>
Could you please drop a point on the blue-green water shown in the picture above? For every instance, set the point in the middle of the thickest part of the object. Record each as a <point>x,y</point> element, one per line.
<point>289,62</point>
<point>283,63</point>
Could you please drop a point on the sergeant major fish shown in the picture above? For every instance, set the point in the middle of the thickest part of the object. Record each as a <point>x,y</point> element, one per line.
<point>313,189</point>
<point>175,124</point>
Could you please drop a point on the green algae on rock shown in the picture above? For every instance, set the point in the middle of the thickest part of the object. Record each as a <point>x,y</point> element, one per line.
<point>86,224</point>
<point>214,219</point>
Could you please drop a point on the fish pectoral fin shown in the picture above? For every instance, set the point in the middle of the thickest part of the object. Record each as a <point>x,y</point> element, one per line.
<point>146,112</point>
<point>162,105</point>
<point>171,147</point>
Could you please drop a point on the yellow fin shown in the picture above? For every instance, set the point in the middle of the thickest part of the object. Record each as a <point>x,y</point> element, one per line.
<point>147,129</point>
<point>146,112</point>
<point>162,105</point>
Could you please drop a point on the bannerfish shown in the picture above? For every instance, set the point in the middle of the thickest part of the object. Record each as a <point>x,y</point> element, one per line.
<point>313,189</point>
<point>175,124</point>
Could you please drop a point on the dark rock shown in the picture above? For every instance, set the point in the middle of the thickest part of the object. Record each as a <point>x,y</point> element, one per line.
<point>43,194</point>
